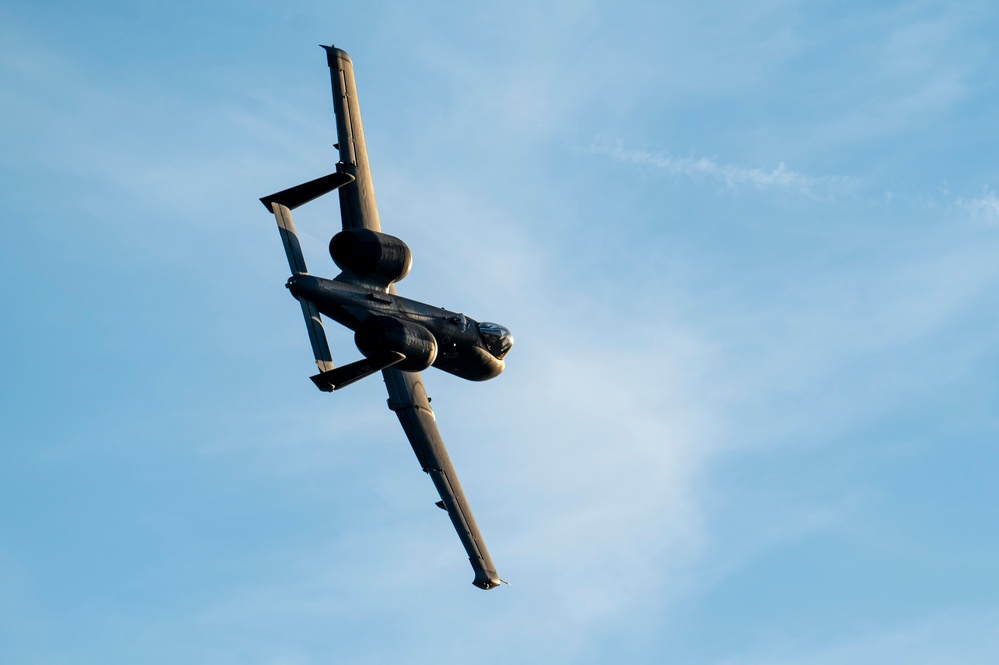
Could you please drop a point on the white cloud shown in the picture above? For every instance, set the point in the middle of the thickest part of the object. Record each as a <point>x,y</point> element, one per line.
<point>732,175</point>
<point>984,208</point>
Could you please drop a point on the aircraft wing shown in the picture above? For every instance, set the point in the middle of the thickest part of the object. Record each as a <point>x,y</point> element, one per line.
<point>358,209</point>
<point>408,399</point>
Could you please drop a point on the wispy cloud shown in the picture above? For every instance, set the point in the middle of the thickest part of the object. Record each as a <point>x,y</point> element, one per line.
<point>984,208</point>
<point>733,176</point>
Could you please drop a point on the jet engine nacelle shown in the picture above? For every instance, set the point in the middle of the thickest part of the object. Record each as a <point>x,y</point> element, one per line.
<point>384,333</point>
<point>369,254</point>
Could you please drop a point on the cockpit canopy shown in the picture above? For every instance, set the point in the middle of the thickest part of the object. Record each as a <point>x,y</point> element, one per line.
<point>497,339</point>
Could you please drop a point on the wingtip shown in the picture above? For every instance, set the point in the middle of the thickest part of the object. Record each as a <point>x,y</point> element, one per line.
<point>487,579</point>
<point>332,53</point>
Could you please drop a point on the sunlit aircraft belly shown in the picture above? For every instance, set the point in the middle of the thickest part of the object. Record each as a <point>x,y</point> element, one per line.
<point>460,350</point>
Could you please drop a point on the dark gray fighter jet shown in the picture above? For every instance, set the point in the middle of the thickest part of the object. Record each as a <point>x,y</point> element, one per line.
<point>397,336</point>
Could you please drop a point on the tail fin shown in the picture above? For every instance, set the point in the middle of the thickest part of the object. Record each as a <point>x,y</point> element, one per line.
<point>281,205</point>
<point>348,374</point>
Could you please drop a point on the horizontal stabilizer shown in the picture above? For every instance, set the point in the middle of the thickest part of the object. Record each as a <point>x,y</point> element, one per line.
<point>301,194</point>
<point>348,374</point>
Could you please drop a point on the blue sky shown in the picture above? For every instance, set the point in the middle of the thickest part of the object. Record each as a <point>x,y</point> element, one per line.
<point>748,254</point>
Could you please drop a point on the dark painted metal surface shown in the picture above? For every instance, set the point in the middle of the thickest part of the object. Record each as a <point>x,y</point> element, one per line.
<point>408,398</point>
<point>357,204</point>
<point>293,197</point>
<point>394,333</point>
<point>461,348</point>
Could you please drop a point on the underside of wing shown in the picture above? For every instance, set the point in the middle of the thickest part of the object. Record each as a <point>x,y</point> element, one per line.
<point>357,201</point>
<point>408,399</point>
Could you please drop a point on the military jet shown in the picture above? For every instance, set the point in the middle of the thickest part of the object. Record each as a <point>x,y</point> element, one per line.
<point>397,336</point>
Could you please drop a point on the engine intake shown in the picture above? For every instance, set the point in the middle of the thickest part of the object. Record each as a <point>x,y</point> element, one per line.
<point>371,255</point>
<point>384,333</point>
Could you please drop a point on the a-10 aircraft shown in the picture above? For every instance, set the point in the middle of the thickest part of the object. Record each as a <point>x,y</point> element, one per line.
<point>397,336</point>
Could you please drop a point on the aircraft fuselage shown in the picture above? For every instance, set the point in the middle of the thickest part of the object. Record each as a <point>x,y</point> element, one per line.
<point>460,347</point>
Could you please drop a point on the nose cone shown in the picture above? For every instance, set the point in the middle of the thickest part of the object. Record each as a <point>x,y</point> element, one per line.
<point>497,338</point>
